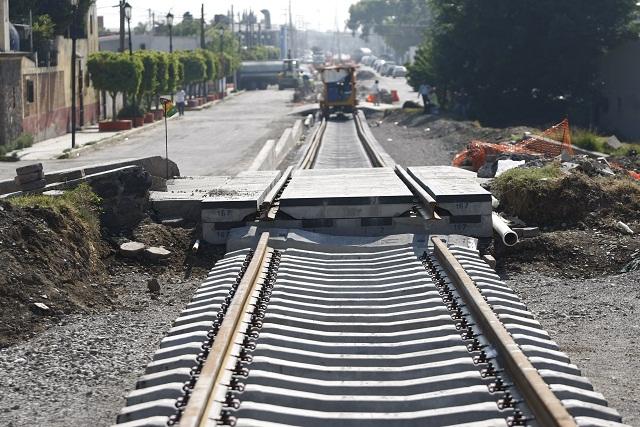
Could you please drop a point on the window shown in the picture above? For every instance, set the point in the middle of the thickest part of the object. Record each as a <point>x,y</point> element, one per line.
<point>91,24</point>
<point>31,92</point>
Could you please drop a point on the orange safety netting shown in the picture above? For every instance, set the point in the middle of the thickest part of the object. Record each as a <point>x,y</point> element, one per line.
<point>547,143</point>
<point>550,143</point>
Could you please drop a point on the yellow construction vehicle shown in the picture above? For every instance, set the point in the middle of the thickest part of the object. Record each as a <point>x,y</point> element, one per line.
<point>339,89</point>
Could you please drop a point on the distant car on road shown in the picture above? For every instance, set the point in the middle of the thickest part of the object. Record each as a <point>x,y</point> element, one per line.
<point>369,60</point>
<point>387,67</point>
<point>399,71</point>
<point>378,64</point>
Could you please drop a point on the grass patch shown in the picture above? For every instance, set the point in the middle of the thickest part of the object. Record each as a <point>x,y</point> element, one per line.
<point>25,140</point>
<point>591,141</point>
<point>521,178</point>
<point>549,197</point>
<point>80,203</point>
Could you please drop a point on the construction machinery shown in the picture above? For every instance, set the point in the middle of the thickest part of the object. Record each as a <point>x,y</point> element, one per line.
<point>339,90</point>
<point>289,77</point>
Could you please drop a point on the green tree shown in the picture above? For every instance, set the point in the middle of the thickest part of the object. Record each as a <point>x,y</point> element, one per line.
<point>194,68</point>
<point>141,28</point>
<point>60,12</point>
<point>115,73</point>
<point>175,72</point>
<point>401,23</point>
<point>162,75</point>
<point>261,53</point>
<point>520,60</point>
<point>229,44</point>
<point>149,81</point>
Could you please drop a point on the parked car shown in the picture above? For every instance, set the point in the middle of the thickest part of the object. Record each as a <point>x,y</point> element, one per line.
<point>370,60</point>
<point>375,63</point>
<point>387,67</point>
<point>379,64</point>
<point>399,71</point>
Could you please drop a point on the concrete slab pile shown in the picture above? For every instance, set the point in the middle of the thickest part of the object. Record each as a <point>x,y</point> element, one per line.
<point>30,177</point>
<point>345,193</point>
<point>237,200</point>
<point>184,196</point>
<point>463,205</point>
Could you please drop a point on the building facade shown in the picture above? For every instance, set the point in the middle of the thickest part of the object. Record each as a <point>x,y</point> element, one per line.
<point>36,95</point>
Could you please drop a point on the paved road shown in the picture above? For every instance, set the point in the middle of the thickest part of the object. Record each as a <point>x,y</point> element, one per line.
<point>218,141</point>
<point>405,92</point>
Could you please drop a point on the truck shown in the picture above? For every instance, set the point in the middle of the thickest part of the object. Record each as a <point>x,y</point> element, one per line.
<point>259,74</point>
<point>289,77</point>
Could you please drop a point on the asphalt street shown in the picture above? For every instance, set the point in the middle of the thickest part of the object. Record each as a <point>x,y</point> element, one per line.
<point>221,140</point>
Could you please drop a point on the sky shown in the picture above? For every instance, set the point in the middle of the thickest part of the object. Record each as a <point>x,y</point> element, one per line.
<point>317,15</point>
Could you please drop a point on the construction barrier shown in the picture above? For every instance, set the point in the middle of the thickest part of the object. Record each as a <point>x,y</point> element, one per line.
<point>551,143</point>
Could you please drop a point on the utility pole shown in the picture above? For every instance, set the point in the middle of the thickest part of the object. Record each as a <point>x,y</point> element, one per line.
<point>202,41</point>
<point>292,47</point>
<point>73,30</point>
<point>122,29</point>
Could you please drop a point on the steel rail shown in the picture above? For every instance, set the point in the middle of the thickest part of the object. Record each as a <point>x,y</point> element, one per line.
<point>365,140</point>
<point>312,151</point>
<point>547,408</point>
<point>210,382</point>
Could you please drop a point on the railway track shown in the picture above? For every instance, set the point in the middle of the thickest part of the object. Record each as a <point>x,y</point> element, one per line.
<point>344,142</point>
<point>317,332</point>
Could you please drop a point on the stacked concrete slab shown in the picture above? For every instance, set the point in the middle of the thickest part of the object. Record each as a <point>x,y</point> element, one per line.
<point>345,193</point>
<point>30,177</point>
<point>465,207</point>
<point>184,196</point>
<point>234,202</point>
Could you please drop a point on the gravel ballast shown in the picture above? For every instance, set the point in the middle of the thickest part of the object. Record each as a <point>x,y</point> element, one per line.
<point>597,322</point>
<point>78,372</point>
<point>569,281</point>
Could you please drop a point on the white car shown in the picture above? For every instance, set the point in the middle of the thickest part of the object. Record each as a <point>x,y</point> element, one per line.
<point>379,64</point>
<point>399,71</point>
<point>369,60</point>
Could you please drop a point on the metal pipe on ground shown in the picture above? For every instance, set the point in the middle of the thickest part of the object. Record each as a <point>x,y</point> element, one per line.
<point>508,236</point>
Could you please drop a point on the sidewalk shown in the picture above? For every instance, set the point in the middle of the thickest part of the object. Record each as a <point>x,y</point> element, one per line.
<point>60,147</point>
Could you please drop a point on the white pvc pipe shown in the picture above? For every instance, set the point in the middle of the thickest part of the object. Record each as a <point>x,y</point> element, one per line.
<point>508,236</point>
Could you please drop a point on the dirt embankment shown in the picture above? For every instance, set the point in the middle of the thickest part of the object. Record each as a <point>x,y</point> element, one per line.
<point>51,264</point>
<point>71,360</point>
<point>59,255</point>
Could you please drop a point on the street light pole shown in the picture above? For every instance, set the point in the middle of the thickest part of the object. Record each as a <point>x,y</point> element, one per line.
<point>73,31</point>
<point>127,12</point>
<point>170,25</point>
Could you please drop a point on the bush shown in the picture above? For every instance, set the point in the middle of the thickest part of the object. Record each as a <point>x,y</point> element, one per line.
<point>25,140</point>
<point>131,111</point>
<point>587,140</point>
<point>591,141</point>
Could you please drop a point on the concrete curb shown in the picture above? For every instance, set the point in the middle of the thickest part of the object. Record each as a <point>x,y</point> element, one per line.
<point>273,153</point>
<point>154,165</point>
